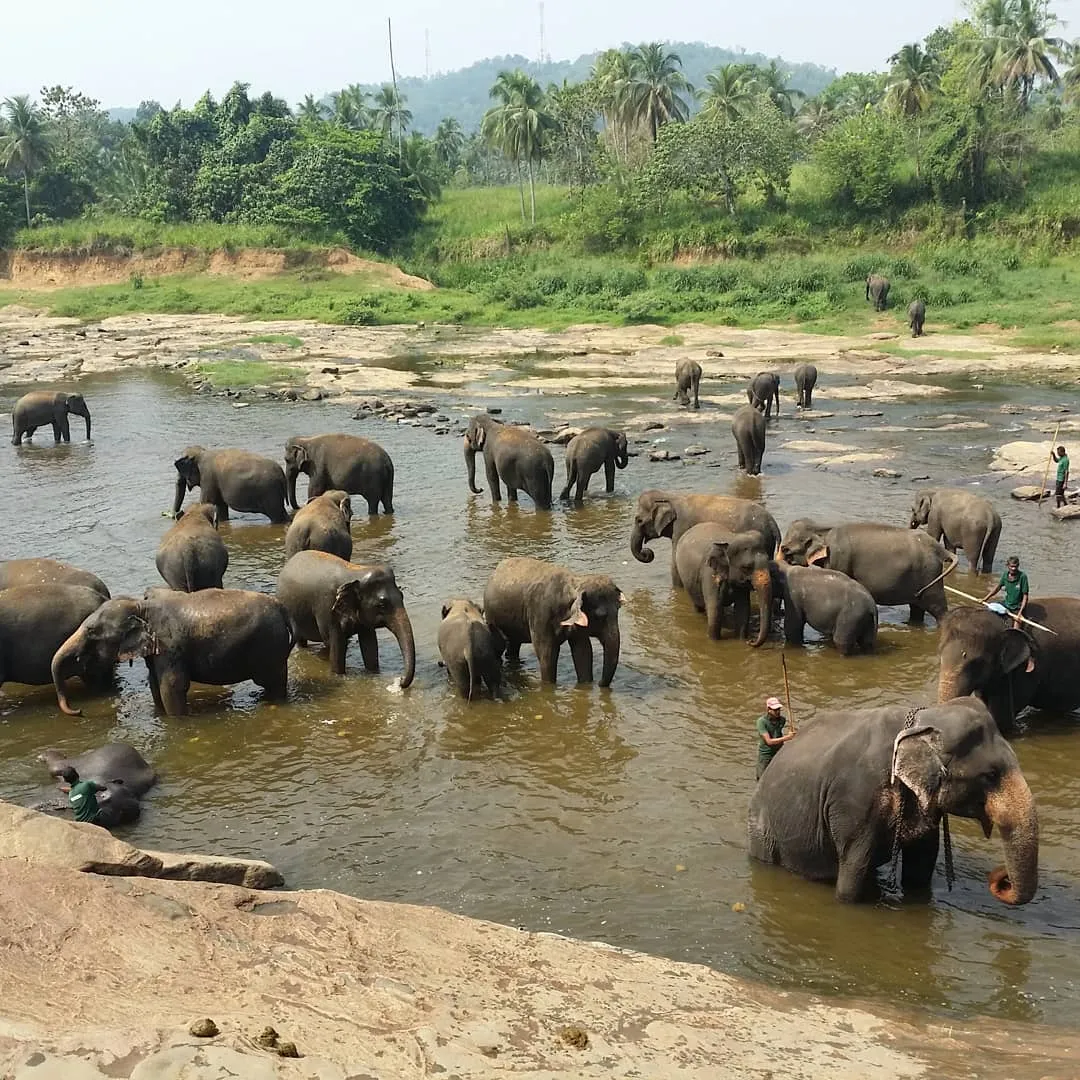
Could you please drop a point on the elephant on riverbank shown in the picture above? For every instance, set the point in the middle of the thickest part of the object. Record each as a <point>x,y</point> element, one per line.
<point>764,392</point>
<point>687,381</point>
<point>124,772</point>
<point>471,649</point>
<point>805,381</point>
<point>246,482</point>
<point>590,451</point>
<point>41,407</point>
<point>981,653</point>
<point>877,290</point>
<point>529,600</point>
<point>719,567</point>
<point>330,600</point>
<point>664,513</point>
<point>916,314</point>
<point>15,572</point>
<point>839,800</point>
<point>341,463</point>
<point>215,636</point>
<point>832,603</point>
<point>748,426</point>
<point>896,565</point>
<point>514,456</point>
<point>322,524</point>
<point>191,555</point>
<point>960,519</point>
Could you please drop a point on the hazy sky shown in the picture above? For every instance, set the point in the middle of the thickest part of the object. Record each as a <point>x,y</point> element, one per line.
<point>123,51</point>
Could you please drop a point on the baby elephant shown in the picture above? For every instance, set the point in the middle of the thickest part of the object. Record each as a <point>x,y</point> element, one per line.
<point>687,380</point>
<point>471,650</point>
<point>594,449</point>
<point>805,381</point>
<point>322,524</point>
<point>191,555</point>
<point>832,603</point>
<point>916,315</point>
<point>877,290</point>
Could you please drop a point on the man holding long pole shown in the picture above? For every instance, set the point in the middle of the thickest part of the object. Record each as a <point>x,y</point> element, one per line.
<point>1015,583</point>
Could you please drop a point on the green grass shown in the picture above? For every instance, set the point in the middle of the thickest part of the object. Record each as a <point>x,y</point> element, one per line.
<point>291,340</point>
<point>673,339</point>
<point>241,373</point>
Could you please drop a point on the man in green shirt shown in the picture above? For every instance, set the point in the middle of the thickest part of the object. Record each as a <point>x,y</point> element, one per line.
<point>1062,460</point>
<point>1015,583</point>
<point>82,795</point>
<point>771,737</point>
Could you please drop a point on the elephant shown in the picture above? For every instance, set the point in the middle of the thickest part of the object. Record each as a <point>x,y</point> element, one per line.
<point>717,565</point>
<point>764,391</point>
<point>748,426</point>
<point>877,289</point>
<point>960,519</point>
<point>832,603</point>
<point>536,601</point>
<point>124,772</point>
<point>805,381</point>
<point>322,524</point>
<point>216,636</point>
<point>41,407</point>
<point>593,449</point>
<point>514,456</point>
<point>191,555</point>
<point>981,653</point>
<point>896,565</point>
<point>470,648</point>
<point>687,381</point>
<point>916,314</point>
<point>663,513</point>
<point>341,463</point>
<point>238,479</point>
<point>329,599</point>
<point>857,787</point>
<point>48,572</point>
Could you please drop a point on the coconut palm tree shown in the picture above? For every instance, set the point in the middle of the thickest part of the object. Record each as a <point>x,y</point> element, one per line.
<point>912,84</point>
<point>772,82</point>
<point>390,112</point>
<point>728,91</point>
<point>449,142</point>
<point>814,118</point>
<point>611,76</point>
<point>24,142</point>
<point>419,166</point>
<point>655,87</point>
<point>1015,47</point>
<point>1070,76</point>
<point>311,109</point>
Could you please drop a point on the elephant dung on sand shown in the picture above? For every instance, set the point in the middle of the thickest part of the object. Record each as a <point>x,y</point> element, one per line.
<point>41,407</point>
<point>246,482</point>
<point>960,519</point>
<point>322,524</point>
<point>592,450</point>
<point>341,463</point>
<point>471,648</point>
<point>748,426</point>
<point>687,381</point>
<point>124,772</point>
<point>513,456</point>
<point>191,555</point>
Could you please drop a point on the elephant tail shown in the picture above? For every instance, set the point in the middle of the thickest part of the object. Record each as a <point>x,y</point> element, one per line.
<point>571,477</point>
<point>949,555</point>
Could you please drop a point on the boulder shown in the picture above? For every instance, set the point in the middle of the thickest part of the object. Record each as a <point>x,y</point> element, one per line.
<point>221,869</point>
<point>695,451</point>
<point>1028,492</point>
<point>887,474</point>
<point>1021,457</point>
<point>662,455</point>
<point>1066,513</point>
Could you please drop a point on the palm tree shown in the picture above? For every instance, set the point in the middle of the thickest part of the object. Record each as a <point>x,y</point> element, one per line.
<point>913,81</point>
<point>419,166</point>
<point>24,144</point>
<point>311,109</point>
<point>449,142</point>
<point>772,82</point>
<point>655,86</point>
<point>389,111</point>
<point>814,118</point>
<point>611,76</point>
<point>1071,75</point>
<point>728,91</point>
<point>1015,48</point>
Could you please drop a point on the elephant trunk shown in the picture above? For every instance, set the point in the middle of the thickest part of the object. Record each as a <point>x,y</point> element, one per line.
<point>291,473</point>
<point>64,662</point>
<point>1012,809</point>
<point>637,545</point>
<point>948,684</point>
<point>470,465</point>
<point>622,458</point>
<point>762,582</point>
<point>400,626</point>
<point>87,415</point>
<point>612,643</point>
<point>181,491</point>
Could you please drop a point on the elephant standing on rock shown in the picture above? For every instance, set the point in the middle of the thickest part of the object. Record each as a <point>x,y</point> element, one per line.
<point>216,636</point>
<point>896,565</point>
<point>663,513</point>
<point>720,567</point>
<point>960,519</point>
<point>322,524</point>
<point>877,289</point>
<point>687,381</point>
<point>857,787</point>
<point>341,463</point>
<point>592,450</point>
<point>191,555</point>
<point>471,649</point>
<point>535,601</point>
<point>238,479</point>
<point>981,653</point>
<point>41,407</point>
<point>916,314</point>
<point>764,391</point>
<point>124,772</point>
<point>832,603</point>
<point>514,456</point>
<point>748,426</point>
<point>330,600</point>
<point>48,572</point>
<point>805,381</point>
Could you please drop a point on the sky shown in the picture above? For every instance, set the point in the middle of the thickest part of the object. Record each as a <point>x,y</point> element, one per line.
<point>124,51</point>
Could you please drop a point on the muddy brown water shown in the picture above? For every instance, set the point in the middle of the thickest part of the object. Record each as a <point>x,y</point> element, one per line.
<point>618,815</point>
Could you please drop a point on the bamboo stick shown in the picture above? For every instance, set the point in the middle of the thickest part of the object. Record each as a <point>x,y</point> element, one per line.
<point>1046,471</point>
<point>787,692</point>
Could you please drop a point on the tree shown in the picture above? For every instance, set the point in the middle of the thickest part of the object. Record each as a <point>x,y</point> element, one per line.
<point>913,81</point>
<point>858,159</point>
<point>853,93</point>
<point>311,110</point>
<point>1070,77</point>
<point>655,87</point>
<point>772,82</point>
<point>449,142</point>
<point>611,77</point>
<point>389,112</point>
<point>573,143</point>
<point>729,91</point>
<point>24,144</point>
<point>420,166</point>
<point>350,108</point>
<point>814,118</point>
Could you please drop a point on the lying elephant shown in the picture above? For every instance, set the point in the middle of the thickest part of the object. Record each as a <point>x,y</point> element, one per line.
<point>529,600</point>
<point>663,513</point>
<point>124,772</point>
<point>48,572</point>
<point>216,636</point>
<point>41,407</point>
<point>687,381</point>
<point>329,599</point>
<point>980,653</point>
<point>960,519</point>
<point>764,391</point>
<point>471,649</point>
<point>592,450</point>
<point>341,463</point>
<point>748,426</point>
<point>191,555</point>
<point>877,289</point>
<point>896,565</point>
<point>838,800</point>
<point>805,381</point>
<point>720,567</point>
<point>243,481</point>
<point>514,456</point>
<point>322,524</point>
<point>916,314</point>
<point>832,603</point>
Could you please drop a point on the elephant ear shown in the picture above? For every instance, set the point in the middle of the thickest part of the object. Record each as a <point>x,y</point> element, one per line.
<point>477,435</point>
<point>445,609</point>
<point>718,562</point>
<point>210,512</point>
<point>818,554</point>
<point>918,763</point>
<point>663,516</point>
<point>346,509</point>
<point>349,598</point>
<point>1016,651</point>
<point>188,468</point>
<point>576,615</point>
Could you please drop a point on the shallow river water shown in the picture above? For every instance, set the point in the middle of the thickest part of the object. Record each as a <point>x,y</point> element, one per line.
<point>615,815</point>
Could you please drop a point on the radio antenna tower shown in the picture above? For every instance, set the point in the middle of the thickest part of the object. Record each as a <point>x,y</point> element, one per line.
<point>542,56</point>
<point>427,54</point>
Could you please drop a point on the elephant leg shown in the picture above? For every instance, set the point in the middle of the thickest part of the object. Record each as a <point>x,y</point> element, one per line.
<point>582,652</point>
<point>511,494</point>
<point>918,861</point>
<point>55,431</point>
<point>917,615</point>
<point>546,647</point>
<point>513,651</point>
<point>609,476</point>
<point>742,458</point>
<point>337,642</point>
<point>369,648</point>
<point>222,508</point>
<point>714,612</point>
<point>155,686</point>
<point>742,613</point>
<point>794,624</point>
<point>676,580</point>
<point>583,485</point>
<point>855,874</point>
<point>173,684</point>
<point>492,473</point>
<point>459,676</point>
<point>275,682</point>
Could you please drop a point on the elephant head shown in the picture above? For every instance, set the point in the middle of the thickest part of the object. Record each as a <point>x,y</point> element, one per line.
<point>373,600</point>
<point>592,605</point>
<point>742,562</point>
<point>342,501</point>
<point>806,544</point>
<point>655,517</point>
<point>475,440</point>
<point>207,511</point>
<point>953,760</point>
<point>76,404</point>
<point>188,475</point>
<point>118,630</point>
<point>622,450</point>
<point>920,511</point>
<point>297,460</point>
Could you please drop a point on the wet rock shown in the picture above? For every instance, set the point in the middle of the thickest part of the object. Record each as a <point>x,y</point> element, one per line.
<point>267,1038</point>
<point>1020,456</point>
<point>887,474</point>
<point>330,370</point>
<point>662,455</point>
<point>1066,513</point>
<point>1027,492</point>
<point>862,414</point>
<point>494,410</point>
<point>1011,410</point>
<point>204,1029</point>
<point>442,419</point>
<point>918,478</point>
<point>815,414</point>
<point>442,431</point>
<point>241,404</point>
<point>695,451</point>
<point>222,869</point>
<point>714,354</point>
<point>886,390</point>
<point>652,425</point>
<point>288,395</point>
<point>815,446</point>
<point>287,1050</point>
<point>314,394</point>
<point>561,438</point>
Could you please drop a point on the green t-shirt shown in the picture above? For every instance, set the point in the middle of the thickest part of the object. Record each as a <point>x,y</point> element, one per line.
<point>1063,468</point>
<point>1015,591</point>
<point>766,725</point>
<point>83,799</point>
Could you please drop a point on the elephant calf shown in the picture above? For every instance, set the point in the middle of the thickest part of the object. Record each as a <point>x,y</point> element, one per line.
<point>191,555</point>
<point>916,314</point>
<point>594,449</point>
<point>471,649</point>
<point>535,601</point>
<point>41,407</point>
<point>322,524</point>
<point>764,391</point>
<point>687,381</point>
<point>124,772</point>
<point>960,519</point>
<point>877,290</point>
<point>515,457</point>
<point>48,572</point>
<point>832,603</point>
<point>805,381</point>
<point>748,426</point>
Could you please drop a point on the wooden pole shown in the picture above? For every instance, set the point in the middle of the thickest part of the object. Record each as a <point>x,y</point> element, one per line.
<point>1046,472</point>
<point>787,691</point>
<point>1022,618</point>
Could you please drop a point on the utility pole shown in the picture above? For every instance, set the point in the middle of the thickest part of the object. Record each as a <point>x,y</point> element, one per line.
<point>393,80</point>
<point>541,31</point>
<point>427,54</point>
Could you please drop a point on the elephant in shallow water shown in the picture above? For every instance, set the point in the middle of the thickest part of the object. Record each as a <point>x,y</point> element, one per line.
<point>960,519</point>
<point>590,451</point>
<point>832,603</point>
<point>471,648</point>
<point>877,290</point>
<point>243,481</point>
<point>41,407</point>
<point>511,455</point>
<point>124,772</point>
<point>764,392</point>
<point>748,426</point>
<point>855,787</point>
<point>322,524</point>
<point>341,463</point>
<point>48,572</point>
<point>687,381</point>
<point>191,555</point>
<point>805,381</point>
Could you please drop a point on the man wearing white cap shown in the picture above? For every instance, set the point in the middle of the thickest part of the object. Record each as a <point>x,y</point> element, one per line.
<point>771,737</point>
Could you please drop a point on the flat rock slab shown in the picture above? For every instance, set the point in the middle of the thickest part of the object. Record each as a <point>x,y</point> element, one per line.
<point>221,869</point>
<point>814,414</point>
<point>815,446</point>
<point>1029,492</point>
<point>886,390</point>
<point>1020,456</point>
<point>848,459</point>
<point>1066,513</point>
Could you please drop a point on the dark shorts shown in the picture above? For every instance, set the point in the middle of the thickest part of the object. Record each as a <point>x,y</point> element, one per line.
<point>1059,488</point>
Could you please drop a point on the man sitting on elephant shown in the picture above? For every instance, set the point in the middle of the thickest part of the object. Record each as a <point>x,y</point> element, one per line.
<point>1015,583</point>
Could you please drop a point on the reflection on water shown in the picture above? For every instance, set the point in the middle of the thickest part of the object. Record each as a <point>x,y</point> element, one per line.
<point>615,815</point>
